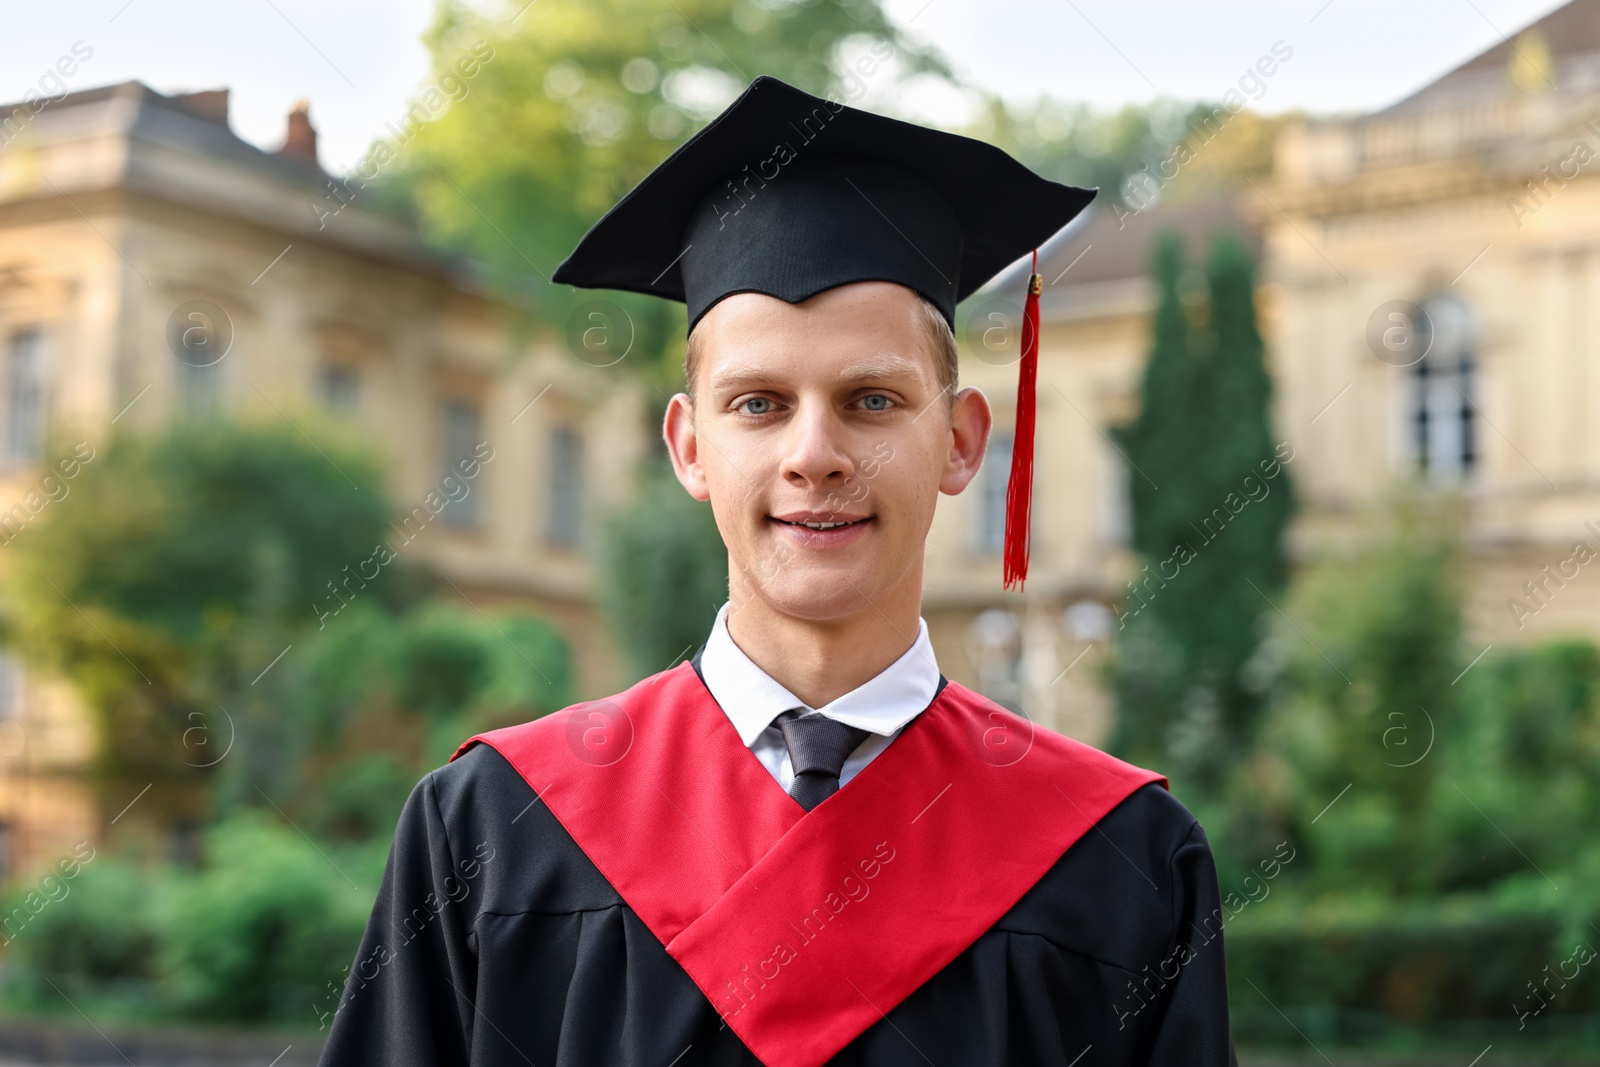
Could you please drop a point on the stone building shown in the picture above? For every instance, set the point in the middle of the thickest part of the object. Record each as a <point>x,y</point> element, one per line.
<point>154,266</point>
<point>1462,222</point>
<point>1429,294</point>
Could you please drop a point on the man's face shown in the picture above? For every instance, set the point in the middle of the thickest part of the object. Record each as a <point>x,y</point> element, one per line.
<point>822,437</point>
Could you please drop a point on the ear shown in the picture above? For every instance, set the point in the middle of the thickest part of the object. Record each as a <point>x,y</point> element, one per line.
<point>683,445</point>
<point>970,421</point>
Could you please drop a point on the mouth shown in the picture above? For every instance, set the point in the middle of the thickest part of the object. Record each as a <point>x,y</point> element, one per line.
<point>822,530</point>
<point>822,524</point>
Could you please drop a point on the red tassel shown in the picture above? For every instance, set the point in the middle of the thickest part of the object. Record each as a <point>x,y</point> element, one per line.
<point>1019,490</point>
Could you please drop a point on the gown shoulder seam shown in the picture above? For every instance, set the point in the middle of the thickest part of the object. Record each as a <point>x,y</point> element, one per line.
<point>552,911</point>
<point>1188,837</point>
<point>1058,946</point>
<point>431,793</point>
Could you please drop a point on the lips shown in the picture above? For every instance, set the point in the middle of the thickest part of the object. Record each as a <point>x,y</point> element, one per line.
<point>820,520</point>
<point>818,529</point>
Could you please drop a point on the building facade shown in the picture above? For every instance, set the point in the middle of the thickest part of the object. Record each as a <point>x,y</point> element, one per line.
<point>1429,294</point>
<point>154,266</point>
<point>1436,277</point>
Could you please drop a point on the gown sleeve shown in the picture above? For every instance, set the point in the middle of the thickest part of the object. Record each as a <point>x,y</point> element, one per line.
<point>409,994</point>
<point>1192,1026</point>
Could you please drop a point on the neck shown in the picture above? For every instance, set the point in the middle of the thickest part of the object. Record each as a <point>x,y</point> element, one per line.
<point>822,660</point>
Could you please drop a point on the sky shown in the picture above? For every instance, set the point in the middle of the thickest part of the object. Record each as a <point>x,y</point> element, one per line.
<point>360,61</point>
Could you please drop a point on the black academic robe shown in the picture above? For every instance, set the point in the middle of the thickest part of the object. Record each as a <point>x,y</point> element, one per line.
<point>496,940</point>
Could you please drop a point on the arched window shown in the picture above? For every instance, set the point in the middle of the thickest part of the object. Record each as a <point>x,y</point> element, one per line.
<point>1442,435</point>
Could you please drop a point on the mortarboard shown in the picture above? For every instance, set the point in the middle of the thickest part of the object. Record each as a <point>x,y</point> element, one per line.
<point>790,194</point>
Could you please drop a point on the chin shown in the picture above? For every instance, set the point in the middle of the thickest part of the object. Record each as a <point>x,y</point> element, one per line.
<point>824,603</point>
<point>821,592</point>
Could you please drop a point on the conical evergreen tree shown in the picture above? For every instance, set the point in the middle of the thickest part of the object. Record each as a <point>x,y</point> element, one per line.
<point>1211,499</point>
<point>1251,489</point>
<point>1149,667</point>
<point>1164,434</point>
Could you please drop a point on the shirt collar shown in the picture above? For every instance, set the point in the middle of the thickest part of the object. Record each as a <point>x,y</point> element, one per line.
<point>751,698</point>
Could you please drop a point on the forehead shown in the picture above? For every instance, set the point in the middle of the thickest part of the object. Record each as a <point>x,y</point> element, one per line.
<point>864,330</point>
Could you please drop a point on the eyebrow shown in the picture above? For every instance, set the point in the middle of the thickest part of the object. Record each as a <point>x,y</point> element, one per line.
<point>876,369</point>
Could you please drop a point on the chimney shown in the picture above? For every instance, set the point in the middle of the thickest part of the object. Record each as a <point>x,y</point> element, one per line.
<point>301,140</point>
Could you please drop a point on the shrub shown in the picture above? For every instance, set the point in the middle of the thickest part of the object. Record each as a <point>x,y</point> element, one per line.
<point>262,928</point>
<point>94,935</point>
<point>256,934</point>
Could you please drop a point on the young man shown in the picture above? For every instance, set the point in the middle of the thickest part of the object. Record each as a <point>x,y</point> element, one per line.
<point>804,846</point>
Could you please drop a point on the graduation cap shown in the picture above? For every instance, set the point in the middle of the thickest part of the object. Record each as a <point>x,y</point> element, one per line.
<point>790,194</point>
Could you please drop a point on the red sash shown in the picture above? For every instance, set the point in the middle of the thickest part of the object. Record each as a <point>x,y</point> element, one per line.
<point>805,928</point>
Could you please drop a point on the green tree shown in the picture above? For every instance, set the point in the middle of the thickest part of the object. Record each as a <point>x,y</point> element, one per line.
<point>663,571</point>
<point>1356,694</point>
<point>1136,155</point>
<point>169,577</point>
<point>224,598</point>
<point>1249,563</point>
<point>1376,688</point>
<point>380,698</point>
<point>1147,674</point>
<point>1163,439</point>
<point>1436,796</point>
<point>258,932</point>
<point>582,98</point>
<point>1211,499</point>
<point>261,928</point>
<point>1076,143</point>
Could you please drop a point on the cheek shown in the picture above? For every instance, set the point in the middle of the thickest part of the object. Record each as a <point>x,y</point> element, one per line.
<point>731,507</point>
<point>908,493</point>
<point>730,465</point>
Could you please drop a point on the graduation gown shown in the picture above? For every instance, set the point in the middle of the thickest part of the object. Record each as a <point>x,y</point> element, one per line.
<point>623,883</point>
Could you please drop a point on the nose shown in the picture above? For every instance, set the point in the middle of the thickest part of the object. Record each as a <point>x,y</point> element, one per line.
<point>815,456</point>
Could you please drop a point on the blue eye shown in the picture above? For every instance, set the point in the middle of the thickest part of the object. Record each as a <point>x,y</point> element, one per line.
<point>876,402</point>
<point>757,405</point>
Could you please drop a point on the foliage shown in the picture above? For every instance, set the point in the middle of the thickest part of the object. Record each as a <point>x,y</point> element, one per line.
<point>178,567</point>
<point>1366,969</point>
<point>662,573</point>
<point>1136,154</point>
<point>186,564</point>
<point>98,927</point>
<point>1438,804</point>
<point>1364,689</point>
<point>582,98</point>
<point>1225,156</point>
<point>266,923</point>
<point>1211,499</point>
<point>256,934</point>
<point>1078,144</point>
<point>381,698</point>
<point>185,532</point>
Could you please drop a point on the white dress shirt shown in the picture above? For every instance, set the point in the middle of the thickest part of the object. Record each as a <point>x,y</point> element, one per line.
<point>751,699</point>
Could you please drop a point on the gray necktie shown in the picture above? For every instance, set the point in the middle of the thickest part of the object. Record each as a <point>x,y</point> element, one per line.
<point>818,747</point>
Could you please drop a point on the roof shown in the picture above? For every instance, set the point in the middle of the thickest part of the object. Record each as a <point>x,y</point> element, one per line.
<point>193,120</point>
<point>1571,29</point>
<point>1108,245</point>
<point>1569,36</point>
<point>181,149</point>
